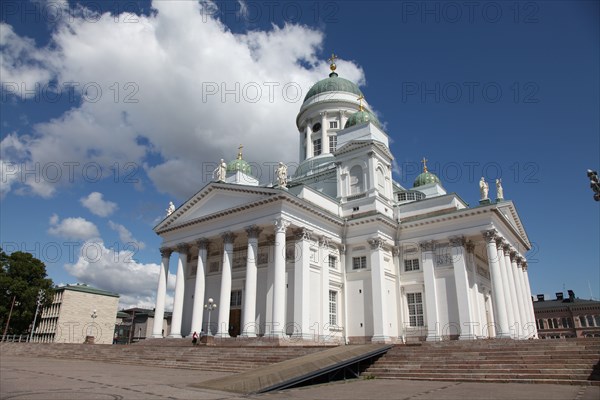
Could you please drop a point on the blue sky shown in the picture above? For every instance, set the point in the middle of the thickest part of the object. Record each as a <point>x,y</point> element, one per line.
<point>112,108</point>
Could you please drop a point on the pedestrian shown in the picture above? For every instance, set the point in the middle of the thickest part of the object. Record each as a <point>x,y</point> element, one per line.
<point>195,338</point>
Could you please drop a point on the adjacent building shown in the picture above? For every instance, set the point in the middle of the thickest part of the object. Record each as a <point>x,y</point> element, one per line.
<point>566,317</point>
<point>135,324</point>
<point>78,311</point>
<point>340,251</point>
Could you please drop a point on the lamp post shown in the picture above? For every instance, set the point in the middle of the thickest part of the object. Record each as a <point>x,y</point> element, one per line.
<point>40,300</point>
<point>210,306</point>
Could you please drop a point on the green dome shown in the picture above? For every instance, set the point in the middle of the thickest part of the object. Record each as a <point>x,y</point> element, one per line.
<point>333,84</point>
<point>239,165</point>
<point>425,179</point>
<point>360,117</point>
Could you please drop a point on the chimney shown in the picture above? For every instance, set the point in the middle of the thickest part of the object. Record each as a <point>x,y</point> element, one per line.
<point>559,296</point>
<point>540,297</point>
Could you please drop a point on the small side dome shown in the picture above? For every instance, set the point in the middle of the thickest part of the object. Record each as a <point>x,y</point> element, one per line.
<point>426,177</point>
<point>239,164</point>
<point>361,117</point>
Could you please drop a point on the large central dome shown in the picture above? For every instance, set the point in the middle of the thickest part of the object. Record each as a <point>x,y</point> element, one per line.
<point>333,84</point>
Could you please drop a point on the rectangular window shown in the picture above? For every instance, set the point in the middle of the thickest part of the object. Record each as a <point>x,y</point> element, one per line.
<point>415,309</point>
<point>359,262</point>
<point>332,143</point>
<point>411,265</point>
<point>332,262</point>
<point>590,320</point>
<point>597,318</point>
<point>333,125</point>
<point>236,298</point>
<point>582,321</point>
<point>333,308</point>
<point>541,324</point>
<point>317,147</point>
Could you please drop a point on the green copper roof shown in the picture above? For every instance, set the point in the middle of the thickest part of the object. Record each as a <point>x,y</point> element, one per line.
<point>239,165</point>
<point>333,84</point>
<point>426,178</point>
<point>360,117</point>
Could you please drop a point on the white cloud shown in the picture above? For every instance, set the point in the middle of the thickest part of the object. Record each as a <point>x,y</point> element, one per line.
<point>165,66</point>
<point>73,228</point>
<point>117,271</point>
<point>125,235</point>
<point>97,205</point>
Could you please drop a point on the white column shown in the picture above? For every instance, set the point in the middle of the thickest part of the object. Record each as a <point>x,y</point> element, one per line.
<point>519,289</point>
<point>343,118</point>
<point>505,285</point>
<point>309,143</point>
<point>529,301</point>
<point>176,318</point>
<point>380,315</point>
<point>278,328</point>
<point>225,295</point>
<point>324,261</point>
<point>500,309</point>
<point>198,308</point>
<point>513,292</point>
<point>302,285</point>
<point>161,293</point>
<point>324,138</point>
<point>475,309</point>
<point>249,309</point>
<point>433,326</point>
<point>463,295</point>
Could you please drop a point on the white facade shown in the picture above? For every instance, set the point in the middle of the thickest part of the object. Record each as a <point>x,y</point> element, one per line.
<point>341,252</point>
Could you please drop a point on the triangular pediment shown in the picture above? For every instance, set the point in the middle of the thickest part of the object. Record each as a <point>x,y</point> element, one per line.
<point>213,198</point>
<point>508,210</point>
<point>359,144</point>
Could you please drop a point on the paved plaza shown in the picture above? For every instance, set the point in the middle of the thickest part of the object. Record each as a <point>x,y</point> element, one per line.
<point>32,378</point>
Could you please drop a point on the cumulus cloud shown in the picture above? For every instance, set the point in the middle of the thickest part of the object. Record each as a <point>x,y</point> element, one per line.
<point>73,228</point>
<point>125,235</point>
<point>97,205</point>
<point>119,272</point>
<point>164,93</point>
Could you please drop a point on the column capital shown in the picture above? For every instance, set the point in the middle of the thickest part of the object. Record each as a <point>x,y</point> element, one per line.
<point>520,260</point>
<point>183,248</point>
<point>323,114</point>
<point>428,245</point>
<point>499,242</point>
<point>324,241</point>
<point>457,241</point>
<point>524,264</point>
<point>506,248</point>
<point>396,251</point>
<point>166,252</point>
<point>490,235</point>
<point>202,243</point>
<point>253,231</point>
<point>376,243</point>
<point>228,237</point>
<point>470,246</point>
<point>281,224</point>
<point>513,255</point>
<point>302,234</point>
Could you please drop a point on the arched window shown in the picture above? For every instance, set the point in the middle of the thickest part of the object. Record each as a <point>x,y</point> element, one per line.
<point>380,179</point>
<point>356,180</point>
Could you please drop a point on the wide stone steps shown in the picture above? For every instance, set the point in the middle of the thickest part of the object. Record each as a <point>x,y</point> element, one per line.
<point>540,361</point>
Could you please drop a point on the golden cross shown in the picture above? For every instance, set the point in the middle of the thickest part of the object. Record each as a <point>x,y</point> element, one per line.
<point>332,58</point>
<point>360,105</point>
<point>424,161</point>
<point>240,152</point>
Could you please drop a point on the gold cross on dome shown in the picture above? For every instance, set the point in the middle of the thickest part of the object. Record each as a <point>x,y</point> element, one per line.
<point>332,61</point>
<point>424,161</point>
<point>360,105</point>
<point>240,152</point>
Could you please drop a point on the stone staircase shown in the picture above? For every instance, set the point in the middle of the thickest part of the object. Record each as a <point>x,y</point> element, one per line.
<point>171,353</point>
<point>570,361</point>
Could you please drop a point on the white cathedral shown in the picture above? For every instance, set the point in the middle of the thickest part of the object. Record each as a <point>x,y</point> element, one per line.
<point>340,252</point>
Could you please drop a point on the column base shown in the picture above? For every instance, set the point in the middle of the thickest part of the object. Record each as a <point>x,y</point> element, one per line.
<point>157,336</point>
<point>303,336</point>
<point>276,334</point>
<point>503,336</point>
<point>222,335</point>
<point>380,339</point>
<point>175,336</point>
<point>248,335</point>
<point>467,337</point>
<point>433,338</point>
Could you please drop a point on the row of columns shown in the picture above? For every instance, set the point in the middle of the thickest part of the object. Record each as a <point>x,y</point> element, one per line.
<point>513,311</point>
<point>511,293</point>
<point>277,320</point>
<point>309,150</point>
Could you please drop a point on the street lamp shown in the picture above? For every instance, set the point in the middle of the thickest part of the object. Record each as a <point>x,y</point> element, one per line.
<point>210,306</point>
<point>40,300</point>
<point>94,316</point>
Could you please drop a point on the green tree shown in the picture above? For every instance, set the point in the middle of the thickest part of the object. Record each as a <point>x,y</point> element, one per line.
<point>21,276</point>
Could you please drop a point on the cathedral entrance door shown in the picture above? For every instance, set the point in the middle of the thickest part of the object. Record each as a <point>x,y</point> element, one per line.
<point>235,320</point>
